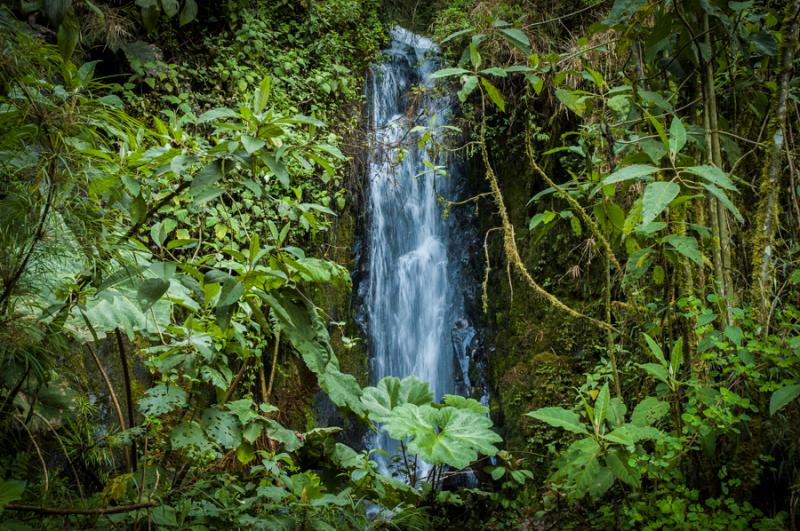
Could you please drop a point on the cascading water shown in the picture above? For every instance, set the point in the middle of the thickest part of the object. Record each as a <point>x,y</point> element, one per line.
<point>414,301</point>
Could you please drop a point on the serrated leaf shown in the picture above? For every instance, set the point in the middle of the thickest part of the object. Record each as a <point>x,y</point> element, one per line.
<point>677,137</point>
<point>470,82</point>
<point>392,392</point>
<point>341,388</point>
<point>648,411</point>
<point>657,197</point>
<point>617,462</point>
<point>462,402</point>
<point>252,144</point>
<point>117,312</point>
<point>713,175</point>
<point>162,399</point>
<point>723,198</point>
<point>560,418</point>
<point>232,290</point>
<point>450,436</point>
<point>284,436</point>
<point>191,437</point>
<point>222,427</point>
<point>685,245</point>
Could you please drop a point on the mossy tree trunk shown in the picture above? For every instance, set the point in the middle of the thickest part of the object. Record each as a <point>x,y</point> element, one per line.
<point>769,188</point>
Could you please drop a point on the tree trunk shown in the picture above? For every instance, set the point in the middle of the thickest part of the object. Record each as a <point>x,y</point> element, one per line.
<point>769,204</point>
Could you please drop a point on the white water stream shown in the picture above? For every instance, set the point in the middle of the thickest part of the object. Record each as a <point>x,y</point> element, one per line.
<point>414,303</point>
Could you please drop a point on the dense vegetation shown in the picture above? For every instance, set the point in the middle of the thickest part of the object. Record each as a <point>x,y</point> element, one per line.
<point>180,192</point>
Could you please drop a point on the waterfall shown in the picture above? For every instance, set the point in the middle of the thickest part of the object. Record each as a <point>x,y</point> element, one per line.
<point>414,301</point>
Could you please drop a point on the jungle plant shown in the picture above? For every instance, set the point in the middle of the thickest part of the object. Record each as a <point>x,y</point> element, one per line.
<point>452,434</point>
<point>611,447</point>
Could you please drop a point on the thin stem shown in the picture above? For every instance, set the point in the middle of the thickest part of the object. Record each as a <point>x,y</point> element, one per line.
<point>123,359</point>
<point>274,365</point>
<point>38,453</point>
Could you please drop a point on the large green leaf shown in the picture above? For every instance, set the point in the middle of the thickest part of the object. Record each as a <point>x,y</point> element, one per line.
<point>170,7</point>
<point>659,372</point>
<point>151,289</point>
<point>713,175</point>
<point>657,196</point>
<point>231,292</point>
<point>649,411</point>
<point>601,405</point>
<point>560,418</point>
<point>222,427</point>
<point>342,388</point>
<point>655,349</point>
<point>494,94</point>
<point>617,462</point>
<point>629,434</point>
<point>217,114</point>
<point>722,197</point>
<point>517,38</point>
<point>677,137</point>
<point>283,435</point>
<point>306,332</point>
<point>685,245</point>
<point>391,392</point>
<point>462,402</point>
<point>448,72</point>
<point>113,311</point>
<point>10,491</point>
<point>634,171</point>
<point>595,479</point>
<point>573,100</point>
<point>449,435</point>
<point>189,436</point>
<point>782,397</point>
<point>188,13</point>
<point>162,399</point>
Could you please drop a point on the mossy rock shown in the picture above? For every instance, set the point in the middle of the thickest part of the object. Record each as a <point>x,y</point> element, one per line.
<point>544,379</point>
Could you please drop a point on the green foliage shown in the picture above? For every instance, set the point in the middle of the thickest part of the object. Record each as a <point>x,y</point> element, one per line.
<point>642,222</point>
<point>452,434</point>
<point>611,449</point>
